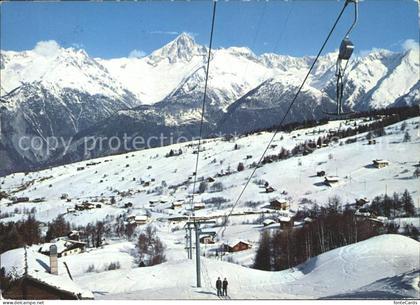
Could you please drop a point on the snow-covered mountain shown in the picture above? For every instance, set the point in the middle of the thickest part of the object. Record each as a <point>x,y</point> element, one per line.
<point>51,91</point>
<point>246,91</point>
<point>178,68</point>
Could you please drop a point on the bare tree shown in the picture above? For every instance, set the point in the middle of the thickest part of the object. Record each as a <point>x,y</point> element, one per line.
<point>150,248</point>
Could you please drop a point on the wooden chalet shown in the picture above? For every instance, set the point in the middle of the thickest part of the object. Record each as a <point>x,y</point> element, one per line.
<point>141,219</point>
<point>307,220</point>
<point>362,201</point>
<point>177,204</point>
<point>320,174</point>
<point>137,219</point>
<point>236,246</point>
<point>331,180</point>
<point>279,204</point>
<point>268,222</point>
<point>379,163</point>
<point>64,246</point>
<point>177,218</point>
<point>269,189</point>
<point>207,240</point>
<point>199,206</point>
<point>34,280</point>
<point>286,222</point>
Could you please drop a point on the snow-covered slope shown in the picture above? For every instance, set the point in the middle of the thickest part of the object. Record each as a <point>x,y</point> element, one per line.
<point>372,268</point>
<point>400,286</point>
<point>350,162</point>
<point>335,272</point>
<point>386,77</point>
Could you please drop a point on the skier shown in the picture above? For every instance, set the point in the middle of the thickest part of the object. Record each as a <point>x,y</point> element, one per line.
<point>225,284</point>
<point>219,287</point>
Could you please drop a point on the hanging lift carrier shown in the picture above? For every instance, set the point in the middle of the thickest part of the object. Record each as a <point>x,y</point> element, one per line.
<point>344,54</point>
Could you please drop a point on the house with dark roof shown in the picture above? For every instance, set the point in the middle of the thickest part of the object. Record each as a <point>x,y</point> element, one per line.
<point>64,246</point>
<point>34,276</point>
<point>236,246</point>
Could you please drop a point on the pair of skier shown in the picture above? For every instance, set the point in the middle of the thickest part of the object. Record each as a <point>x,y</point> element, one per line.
<point>221,287</point>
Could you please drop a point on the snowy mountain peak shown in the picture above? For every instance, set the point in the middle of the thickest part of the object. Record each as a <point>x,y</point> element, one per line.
<point>241,51</point>
<point>183,48</point>
<point>184,38</point>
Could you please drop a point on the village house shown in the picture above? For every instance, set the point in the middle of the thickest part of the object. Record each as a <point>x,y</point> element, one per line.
<point>320,173</point>
<point>128,205</point>
<point>286,222</point>
<point>268,222</point>
<point>177,218</point>
<point>269,189</point>
<point>379,163</point>
<point>73,235</point>
<point>362,201</point>
<point>279,204</point>
<point>177,204</point>
<point>20,199</point>
<point>141,219</point>
<point>236,246</point>
<point>207,240</point>
<point>84,206</point>
<point>382,219</point>
<point>331,180</point>
<point>362,212</point>
<point>163,199</point>
<point>154,202</point>
<point>39,277</point>
<point>137,219</point>
<point>308,219</point>
<point>71,210</point>
<point>199,206</point>
<point>65,247</point>
<point>375,222</point>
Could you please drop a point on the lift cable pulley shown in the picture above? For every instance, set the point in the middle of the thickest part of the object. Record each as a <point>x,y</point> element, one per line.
<point>344,54</point>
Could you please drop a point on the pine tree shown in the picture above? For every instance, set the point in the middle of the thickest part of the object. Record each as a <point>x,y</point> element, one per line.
<point>58,227</point>
<point>263,256</point>
<point>202,187</point>
<point>407,137</point>
<point>407,204</point>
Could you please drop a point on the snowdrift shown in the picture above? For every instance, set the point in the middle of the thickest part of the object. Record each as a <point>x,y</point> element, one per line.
<point>336,272</point>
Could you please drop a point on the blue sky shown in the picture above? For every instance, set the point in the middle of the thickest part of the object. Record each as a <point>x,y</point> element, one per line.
<point>115,29</point>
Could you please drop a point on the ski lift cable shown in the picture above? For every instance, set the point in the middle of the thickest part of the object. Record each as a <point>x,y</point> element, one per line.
<point>203,105</point>
<point>281,36</point>
<point>344,54</point>
<point>284,117</point>
<point>256,33</point>
<point>277,42</point>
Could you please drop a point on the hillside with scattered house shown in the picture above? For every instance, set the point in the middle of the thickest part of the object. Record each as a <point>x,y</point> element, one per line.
<point>101,213</point>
